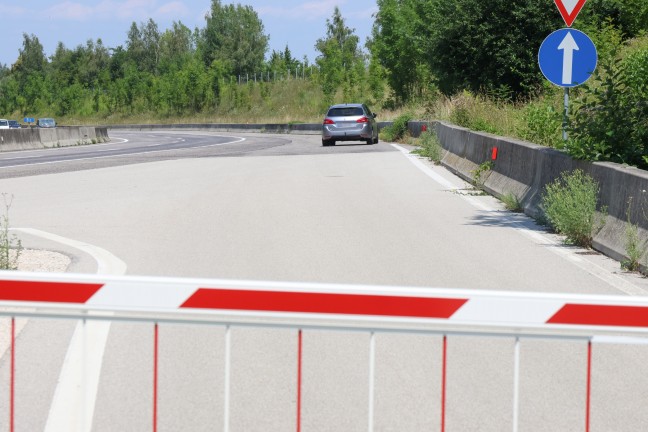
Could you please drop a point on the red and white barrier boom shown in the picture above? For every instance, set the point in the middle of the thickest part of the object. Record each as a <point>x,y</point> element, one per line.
<point>304,304</point>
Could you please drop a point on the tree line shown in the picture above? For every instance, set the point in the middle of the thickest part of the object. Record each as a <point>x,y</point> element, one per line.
<point>175,71</point>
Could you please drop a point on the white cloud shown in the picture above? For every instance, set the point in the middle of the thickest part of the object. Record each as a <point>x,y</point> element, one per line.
<point>309,11</point>
<point>124,10</point>
<point>69,11</point>
<point>9,10</point>
<point>174,9</point>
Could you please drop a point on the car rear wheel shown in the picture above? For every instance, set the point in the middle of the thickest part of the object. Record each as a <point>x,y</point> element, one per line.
<point>328,142</point>
<point>375,141</point>
<point>369,141</point>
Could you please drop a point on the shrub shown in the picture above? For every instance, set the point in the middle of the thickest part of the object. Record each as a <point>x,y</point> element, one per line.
<point>430,147</point>
<point>543,125</point>
<point>570,207</point>
<point>398,130</point>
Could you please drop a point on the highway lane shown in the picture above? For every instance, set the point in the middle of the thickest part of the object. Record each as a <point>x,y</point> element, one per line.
<point>142,147</point>
<point>285,208</point>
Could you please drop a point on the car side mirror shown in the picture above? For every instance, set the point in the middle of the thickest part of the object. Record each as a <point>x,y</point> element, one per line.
<point>374,115</point>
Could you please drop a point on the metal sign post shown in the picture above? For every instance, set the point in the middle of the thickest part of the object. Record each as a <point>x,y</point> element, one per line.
<point>565,114</point>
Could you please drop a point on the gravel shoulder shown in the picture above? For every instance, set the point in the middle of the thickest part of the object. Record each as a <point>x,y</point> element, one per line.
<point>32,260</point>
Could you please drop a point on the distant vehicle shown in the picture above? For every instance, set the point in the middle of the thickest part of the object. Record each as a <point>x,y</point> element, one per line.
<point>46,123</point>
<point>4,124</point>
<point>13,124</point>
<point>349,122</point>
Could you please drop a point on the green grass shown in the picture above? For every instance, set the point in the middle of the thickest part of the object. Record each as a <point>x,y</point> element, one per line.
<point>512,203</point>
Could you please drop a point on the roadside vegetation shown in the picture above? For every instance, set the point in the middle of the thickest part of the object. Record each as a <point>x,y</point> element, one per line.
<point>10,245</point>
<point>570,206</point>
<point>429,147</point>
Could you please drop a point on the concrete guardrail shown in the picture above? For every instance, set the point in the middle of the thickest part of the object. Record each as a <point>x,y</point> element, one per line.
<point>63,136</point>
<point>290,128</point>
<point>524,169</point>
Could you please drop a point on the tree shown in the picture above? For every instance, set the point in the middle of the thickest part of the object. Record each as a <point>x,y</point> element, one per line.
<point>151,42</point>
<point>143,46</point>
<point>176,45</point>
<point>234,35</point>
<point>30,73</point>
<point>31,58</point>
<point>398,48</point>
<point>341,59</point>
<point>135,44</point>
<point>487,46</point>
<point>629,16</point>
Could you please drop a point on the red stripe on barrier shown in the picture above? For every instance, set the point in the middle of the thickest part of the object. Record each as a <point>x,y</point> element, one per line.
<point>588,403</point>
<point>622,316</point>
<point>12,391</point>
<point>299,379</point>
<point>51,292</point>
<point>155,377</point>
<point>352,304</point>
<point>444,374</point>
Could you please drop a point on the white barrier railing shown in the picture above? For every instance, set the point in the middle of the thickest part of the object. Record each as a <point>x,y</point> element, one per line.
<point>371,309</point>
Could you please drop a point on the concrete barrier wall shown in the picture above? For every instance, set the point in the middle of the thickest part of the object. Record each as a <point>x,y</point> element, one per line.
<point>301,128</point>
<point>35,138</point>
<point>297,128</point>
<point>524,169</point>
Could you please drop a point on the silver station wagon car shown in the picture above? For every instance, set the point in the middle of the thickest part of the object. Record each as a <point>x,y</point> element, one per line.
<point>349,122</point>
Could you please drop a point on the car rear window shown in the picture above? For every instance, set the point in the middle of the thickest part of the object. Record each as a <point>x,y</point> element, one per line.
<point>345,112</point>
<point>4,123</point>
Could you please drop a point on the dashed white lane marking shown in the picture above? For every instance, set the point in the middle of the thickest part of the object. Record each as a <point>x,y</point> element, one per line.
<point>592,268</point>
<point>73,405</point>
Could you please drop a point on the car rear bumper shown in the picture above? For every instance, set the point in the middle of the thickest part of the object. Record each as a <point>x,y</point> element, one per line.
<point>346,134</point>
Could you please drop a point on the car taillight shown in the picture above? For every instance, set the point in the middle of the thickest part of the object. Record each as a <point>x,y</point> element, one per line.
<point>363,120</point>
<point>328,121</point>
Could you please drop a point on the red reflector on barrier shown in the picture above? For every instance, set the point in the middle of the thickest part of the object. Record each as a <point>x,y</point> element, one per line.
<point>346,304</point>
<point>622,316</point>
<point>494,155</point>
<point>54,292</point>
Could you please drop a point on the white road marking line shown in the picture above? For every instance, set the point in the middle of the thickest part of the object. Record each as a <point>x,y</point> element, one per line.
<point>420,165</point>
<point>594,269</point>
<point>240,139</point>
<point>74,400</point>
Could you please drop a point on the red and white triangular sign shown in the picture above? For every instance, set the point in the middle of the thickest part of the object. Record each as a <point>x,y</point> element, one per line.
<point>569,9</point>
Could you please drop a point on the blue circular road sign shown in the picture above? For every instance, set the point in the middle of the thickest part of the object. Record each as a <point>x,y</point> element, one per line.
<point>567,57</point>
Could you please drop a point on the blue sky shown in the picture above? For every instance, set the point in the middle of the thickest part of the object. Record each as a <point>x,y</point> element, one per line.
<point>298,23</point>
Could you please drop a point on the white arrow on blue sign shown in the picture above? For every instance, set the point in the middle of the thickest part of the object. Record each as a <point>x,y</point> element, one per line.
<point>567,57</point>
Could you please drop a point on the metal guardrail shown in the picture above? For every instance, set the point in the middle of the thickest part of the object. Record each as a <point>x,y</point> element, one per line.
<point>370,309</point>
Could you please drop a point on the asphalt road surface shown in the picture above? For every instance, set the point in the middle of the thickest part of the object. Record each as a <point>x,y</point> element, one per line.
<point>284,208</point>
